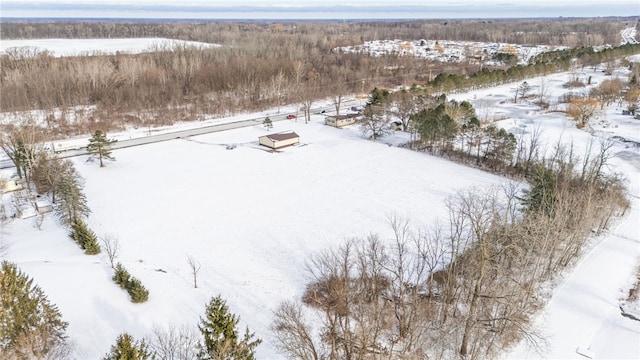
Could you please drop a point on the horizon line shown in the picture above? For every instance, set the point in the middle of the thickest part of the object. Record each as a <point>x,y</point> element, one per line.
<point>115,18</point>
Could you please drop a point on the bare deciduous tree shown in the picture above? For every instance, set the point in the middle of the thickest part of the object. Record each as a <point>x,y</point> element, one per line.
<point>468,288</point>
<point>111,247</point>
<point>521,91</point>
<point>174,343</point>
<point>375,122</point>
<point>608,91</point>
<point>195,266</point>
<point>338,90</point>
<point>632,99</point>
<point>38,220</point>
<point>543,88</point>
<point>528,151</point>
<point>294,336</point>
<point>583,110</point>
<point>22,144</point>
<point>405,104</point>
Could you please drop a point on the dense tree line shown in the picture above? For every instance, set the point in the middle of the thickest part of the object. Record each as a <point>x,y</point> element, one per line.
<point>445,128</point>
<point>568,31</point>
<point>546,63</point>
<point>260,65</point>
<point>467,287</point>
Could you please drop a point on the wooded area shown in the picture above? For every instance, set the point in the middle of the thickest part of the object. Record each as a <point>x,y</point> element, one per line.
<point>327,34</point>
<point>259,65</point>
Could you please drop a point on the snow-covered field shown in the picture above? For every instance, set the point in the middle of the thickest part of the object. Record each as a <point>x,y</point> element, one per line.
<point>75,47</point>
<point>250,217</point>
<point>253,217</point>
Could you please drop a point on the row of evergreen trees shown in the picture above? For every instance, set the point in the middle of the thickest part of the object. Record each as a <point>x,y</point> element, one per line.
<point>134,287</point>
<point>545,63</point>
<point>440,133</point>
<point>30,326</point>
<point>84,237</point>
<point>445,127</point>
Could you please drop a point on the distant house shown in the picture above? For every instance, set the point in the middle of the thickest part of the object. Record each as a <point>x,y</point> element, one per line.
<point>27,211</point>
<point>340,120</point>
<point>43,206</point>
<point>279,140</point>
<point>10,185</point>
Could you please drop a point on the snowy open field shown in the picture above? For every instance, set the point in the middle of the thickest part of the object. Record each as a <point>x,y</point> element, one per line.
<point>252,218</point>
<point>75,47</point>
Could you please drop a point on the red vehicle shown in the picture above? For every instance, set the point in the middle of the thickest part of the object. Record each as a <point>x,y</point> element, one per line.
<point>291,117</point>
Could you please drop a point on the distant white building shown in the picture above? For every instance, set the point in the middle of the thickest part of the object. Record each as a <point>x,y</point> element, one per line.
<point>279,140</point>
<point>340,120</point>
<point>43,206</point>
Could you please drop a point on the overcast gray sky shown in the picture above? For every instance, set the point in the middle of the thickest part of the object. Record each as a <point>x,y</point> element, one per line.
<point>309,9</point>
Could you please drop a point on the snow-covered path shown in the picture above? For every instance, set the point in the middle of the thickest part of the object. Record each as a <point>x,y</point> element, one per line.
<point>584,312</point>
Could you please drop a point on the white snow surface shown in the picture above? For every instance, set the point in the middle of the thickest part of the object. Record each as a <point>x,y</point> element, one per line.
<point>249,216</point>
<point>252,218</point>
<point>76,47</point>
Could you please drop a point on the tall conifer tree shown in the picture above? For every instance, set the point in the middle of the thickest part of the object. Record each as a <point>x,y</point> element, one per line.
<point>100,146</point>
<point>27,317</point>
<point>127,348</point>
<point>221,338</point>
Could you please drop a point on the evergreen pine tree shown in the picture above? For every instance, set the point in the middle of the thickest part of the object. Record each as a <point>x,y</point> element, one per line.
<point>72,203</point>
<point>121,276</point>
<point>541,196</point>
<point>91,246</point>
<point>137,291</point>
<point>378,96</point>
<point>86,238</point>
<point>100,146</point>
<point>20,158</point>
<point>221,339</point>
<point>127,348</point>
<point>267,123</point>
<point>27,317</point>
<point>435,126</point>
